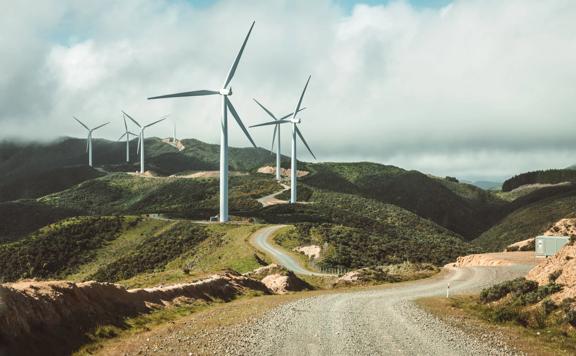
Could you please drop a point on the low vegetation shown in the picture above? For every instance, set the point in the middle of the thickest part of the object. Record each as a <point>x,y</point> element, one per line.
<point>550,176</point>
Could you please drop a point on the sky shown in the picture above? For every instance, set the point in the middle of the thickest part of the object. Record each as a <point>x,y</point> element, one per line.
<point>477,89</point>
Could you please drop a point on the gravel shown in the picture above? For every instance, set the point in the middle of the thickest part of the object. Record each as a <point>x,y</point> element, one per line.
<point>377,322</point>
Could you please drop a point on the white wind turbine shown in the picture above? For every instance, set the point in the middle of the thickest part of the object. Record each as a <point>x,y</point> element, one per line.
<point>89,139</point>
<point>141,138</point>
<point>225,92</point>
<point>295,131</point>
<point>276,137</point>
<point>127,133</point>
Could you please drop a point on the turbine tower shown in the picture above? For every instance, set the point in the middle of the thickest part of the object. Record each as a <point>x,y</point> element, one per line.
<point>276,137</point>
<point>141,138</point>
<point>89,139</point>
<point>225,92</point>
<point>127,133</point>
<point>295,132</point>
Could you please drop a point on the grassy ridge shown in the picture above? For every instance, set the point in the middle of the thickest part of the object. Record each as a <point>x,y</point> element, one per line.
<point>121,193</point>
<point>550,176</point>
<point>133,251</point>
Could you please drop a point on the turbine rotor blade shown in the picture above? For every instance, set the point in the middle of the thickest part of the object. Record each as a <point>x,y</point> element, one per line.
<point>125,133</point>
<point>301,97</point>
<point>237,60</point>
<point>274,137</point>
<point>287,116</point>
<point>155,122</point>
<point>272,123</point>
<point>131,118</point>
<point>188,93</point>
<point>139,140</point>
<point>97,127</point>
<point>304,141</point>
<point>81,123</point>
<point>235,114</point>
<point>125,124</point>
<point>264,108</point>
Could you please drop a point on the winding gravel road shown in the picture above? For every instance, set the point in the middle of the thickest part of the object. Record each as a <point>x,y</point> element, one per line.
<point>261,242</point>
<point>381,321</point>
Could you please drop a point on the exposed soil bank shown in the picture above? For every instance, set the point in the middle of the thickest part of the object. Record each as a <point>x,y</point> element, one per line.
<point>53,317</point>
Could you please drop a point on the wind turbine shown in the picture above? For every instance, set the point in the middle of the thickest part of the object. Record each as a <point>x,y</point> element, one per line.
<point>89,139</point>
<point>225,92</point>
<point>141,138</point>
<point>275,137</point>
<point>295,131</point>
<point>127,133</point>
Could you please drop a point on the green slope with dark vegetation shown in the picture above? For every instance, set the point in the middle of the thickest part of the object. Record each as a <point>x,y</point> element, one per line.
<point>127,249</point>
<point>31,170</point>
<point>529,220</point>
<point>550,176</point>
<point>122,193</point>
<point>462,208</point>
<point>19,218</point>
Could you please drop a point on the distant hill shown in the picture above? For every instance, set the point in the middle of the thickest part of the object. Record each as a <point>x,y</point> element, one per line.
<point>550,176</point>
<point>487,185</point>
<point>31,170</point>
<point>462,208</point>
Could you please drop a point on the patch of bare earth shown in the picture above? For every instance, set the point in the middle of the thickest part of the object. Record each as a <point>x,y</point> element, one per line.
<point>496,259</point>
<point>283,171</point>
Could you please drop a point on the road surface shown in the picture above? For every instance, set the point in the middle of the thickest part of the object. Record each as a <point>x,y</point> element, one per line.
<point>272,200</point>
<point>262,243</point>
<point>381,321</point>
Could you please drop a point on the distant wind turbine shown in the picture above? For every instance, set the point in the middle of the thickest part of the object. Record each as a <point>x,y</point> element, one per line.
<point>276,136</point>
<point>225,92</point>
<point>127,133</point>
<point>295,131</point>
<point>89,139</point>
<point>141,138</point>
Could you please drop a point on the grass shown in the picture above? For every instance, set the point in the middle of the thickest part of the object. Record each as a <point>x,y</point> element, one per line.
<point>527,222</point>
<point>466,312</point>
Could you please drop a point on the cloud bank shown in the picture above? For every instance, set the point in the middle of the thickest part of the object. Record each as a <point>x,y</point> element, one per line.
<point>477,88</point>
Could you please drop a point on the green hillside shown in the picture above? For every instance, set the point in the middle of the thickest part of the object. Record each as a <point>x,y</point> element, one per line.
<point>130,250</point>
<point>550,176</point>
<point>528,221</point>
<point>462,208</point>
<point>121,193</point>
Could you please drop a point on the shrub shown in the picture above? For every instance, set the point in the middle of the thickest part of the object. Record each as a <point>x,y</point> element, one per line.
<point>571,317</point>
<point>516,286</point>
<point>552,277</point>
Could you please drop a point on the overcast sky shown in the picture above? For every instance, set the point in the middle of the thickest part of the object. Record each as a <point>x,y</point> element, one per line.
<point>478,89</point>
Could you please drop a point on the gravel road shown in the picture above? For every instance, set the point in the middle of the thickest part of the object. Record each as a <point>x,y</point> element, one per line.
<point>381,321</point>
<point>261,242</point>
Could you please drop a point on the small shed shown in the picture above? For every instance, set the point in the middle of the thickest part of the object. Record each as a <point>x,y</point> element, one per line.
<point>549,245</point>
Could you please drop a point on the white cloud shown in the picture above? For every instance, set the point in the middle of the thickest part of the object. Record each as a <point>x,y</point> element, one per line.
<point>478,86</point>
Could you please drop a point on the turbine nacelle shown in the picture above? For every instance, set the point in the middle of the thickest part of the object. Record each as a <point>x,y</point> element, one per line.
<point>295,121</point>
<point>225,91</point>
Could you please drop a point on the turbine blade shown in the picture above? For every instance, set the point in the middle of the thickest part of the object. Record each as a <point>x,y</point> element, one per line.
<point>273,123</point>
<point>88,141</point>
<point>125,124</point>
<point>267,111</point>
<point>132,133</point>
<point>274,137</point>
<point>81,123</point>
<point>155,122</point>
<point>139,140</point>
<point>97,127</point>
<point>287,116</point>
<point>131,118</point>
<point>237,60</point>
<point>304,141</point>
<point>235,114</point>
<point>125,133</point>
<point>188,93</point>
<point>301,97</point>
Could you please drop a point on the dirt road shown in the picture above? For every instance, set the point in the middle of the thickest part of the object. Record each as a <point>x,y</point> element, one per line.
<point>262,243</point>
<point>377,322</point>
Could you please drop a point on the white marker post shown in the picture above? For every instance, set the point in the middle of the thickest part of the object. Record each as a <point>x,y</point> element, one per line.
<point>448,291</point>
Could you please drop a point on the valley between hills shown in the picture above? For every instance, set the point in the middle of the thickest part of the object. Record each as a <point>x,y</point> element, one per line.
<point>129,263</point>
